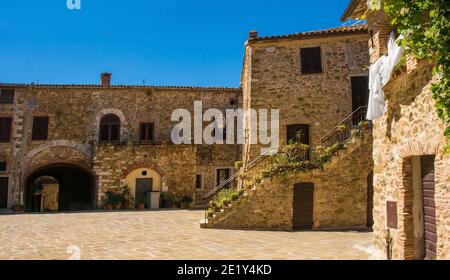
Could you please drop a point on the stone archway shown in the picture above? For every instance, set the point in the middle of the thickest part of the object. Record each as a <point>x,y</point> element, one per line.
<point>143,179</point>
<point>76,187</point>
<point>70,164</point>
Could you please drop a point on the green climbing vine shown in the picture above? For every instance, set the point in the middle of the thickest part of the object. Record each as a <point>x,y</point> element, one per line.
<point>425,25</point>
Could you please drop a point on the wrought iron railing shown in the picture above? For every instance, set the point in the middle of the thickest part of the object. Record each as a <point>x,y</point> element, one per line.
<point>233,177</point>
<point>343,132</point>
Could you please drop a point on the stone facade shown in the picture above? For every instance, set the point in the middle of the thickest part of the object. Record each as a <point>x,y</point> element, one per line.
<point>408,131</point>
<point>73,135</point>
<point>340,195</point>
<point>271,79</point>
<point>410,128</point>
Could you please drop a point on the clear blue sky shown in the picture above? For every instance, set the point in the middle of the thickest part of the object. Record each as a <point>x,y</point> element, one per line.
<point>164,42</point>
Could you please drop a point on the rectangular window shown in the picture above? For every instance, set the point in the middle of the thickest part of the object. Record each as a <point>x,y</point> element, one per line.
<point>198,181</point>
<point>311,60</point>
<point>222,176</point>
<point>5,130</point>
<point>40,128</point>
<point>7,96</point>
<point>146,131</point>
<point>2,166</point>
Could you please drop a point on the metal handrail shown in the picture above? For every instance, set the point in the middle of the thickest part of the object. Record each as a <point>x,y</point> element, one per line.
<point>236,174</point>
<point>358,115</point>
<point>342,122</point>
<point>253,163</point>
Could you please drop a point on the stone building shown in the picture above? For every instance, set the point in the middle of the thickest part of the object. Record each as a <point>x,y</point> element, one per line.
<point>317,80</point>
<point>95,138</point>
<point>411,171</point>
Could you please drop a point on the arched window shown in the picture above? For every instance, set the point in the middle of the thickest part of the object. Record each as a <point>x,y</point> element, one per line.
<point>110,128</point>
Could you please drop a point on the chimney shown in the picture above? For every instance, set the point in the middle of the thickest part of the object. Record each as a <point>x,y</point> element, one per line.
<point>253,35</point>
<point>105,79</point>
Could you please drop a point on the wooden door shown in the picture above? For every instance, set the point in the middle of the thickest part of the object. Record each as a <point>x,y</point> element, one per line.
<point>303,206</point>
<point>143,187</point>
<point>370,200</point>
<point>4,192</point>
<point>429,205</point>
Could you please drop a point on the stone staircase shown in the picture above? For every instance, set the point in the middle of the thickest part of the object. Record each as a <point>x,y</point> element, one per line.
<point>266,205</point>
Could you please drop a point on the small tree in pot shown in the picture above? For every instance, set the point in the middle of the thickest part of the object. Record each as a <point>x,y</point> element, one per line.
<point>142,199</point>
<point>186,201</point>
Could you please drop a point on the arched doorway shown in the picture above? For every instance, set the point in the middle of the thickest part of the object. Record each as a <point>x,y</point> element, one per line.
<point>142,181</point>
<point>74,186</point>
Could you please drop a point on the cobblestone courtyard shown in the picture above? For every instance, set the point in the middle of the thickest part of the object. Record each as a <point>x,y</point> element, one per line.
<point>162,235</point>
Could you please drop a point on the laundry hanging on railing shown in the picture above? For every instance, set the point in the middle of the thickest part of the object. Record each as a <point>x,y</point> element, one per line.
<point>380,74</point>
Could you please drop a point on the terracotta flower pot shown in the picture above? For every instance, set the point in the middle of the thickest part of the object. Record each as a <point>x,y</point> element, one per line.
<point>118,206</point>
<point>141,206</point>
<point>109,207</point>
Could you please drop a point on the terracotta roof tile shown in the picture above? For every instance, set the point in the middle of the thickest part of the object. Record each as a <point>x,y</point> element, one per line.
<point>81,86</point>
<point>351,29</point>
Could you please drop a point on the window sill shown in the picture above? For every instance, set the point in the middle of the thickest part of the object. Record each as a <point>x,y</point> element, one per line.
<point>310,73</point>
<point>112,143</point>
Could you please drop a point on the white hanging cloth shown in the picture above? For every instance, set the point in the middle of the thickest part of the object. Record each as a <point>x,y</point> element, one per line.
<point>380,74</point>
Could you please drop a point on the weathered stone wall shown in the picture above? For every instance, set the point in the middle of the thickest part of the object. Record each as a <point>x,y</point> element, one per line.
<point>380,29</point>
<point>409,128</point>
<point>322,100</point>
<point>176,164</point>
<point>74,113</point>
<point>340,195</point>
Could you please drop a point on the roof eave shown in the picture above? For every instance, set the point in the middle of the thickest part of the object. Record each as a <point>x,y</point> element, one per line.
<point>350,10</point>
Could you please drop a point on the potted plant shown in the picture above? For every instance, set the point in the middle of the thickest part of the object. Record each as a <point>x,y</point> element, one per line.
<point>342,128</point>
<point>185,202</point>
<point>364,125</point>
<point>117,204</point>
<point>109,200</point>
<point>126,197</point>
<point>168,200</point>
<point>142,199</point>
<point>18,208</point>
<point>238,165</point>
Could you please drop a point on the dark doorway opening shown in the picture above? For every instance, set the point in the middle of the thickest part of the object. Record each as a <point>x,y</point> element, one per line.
<point>303,206</point>
<point>360,93</point>
<point>370,201</point>
<point>4,182</point>
<point>298,133</point>
<point>75,190</point>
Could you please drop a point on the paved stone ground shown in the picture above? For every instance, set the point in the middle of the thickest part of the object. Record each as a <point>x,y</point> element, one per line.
<point>162,235</point>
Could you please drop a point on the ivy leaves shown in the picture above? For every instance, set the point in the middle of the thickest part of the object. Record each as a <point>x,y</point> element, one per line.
<point>425,25</point>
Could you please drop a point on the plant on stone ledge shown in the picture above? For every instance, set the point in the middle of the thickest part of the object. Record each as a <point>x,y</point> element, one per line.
<point>224,198</point>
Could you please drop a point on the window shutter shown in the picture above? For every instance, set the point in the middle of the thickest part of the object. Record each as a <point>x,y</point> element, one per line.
<point>311,60</point>
<point>5,129</point>
<point>7,96</point>
<point>40,128</point>
<point>146,131</point>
